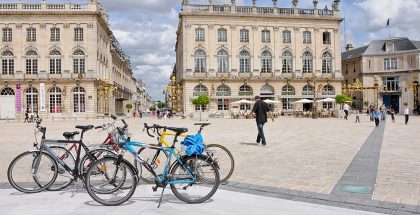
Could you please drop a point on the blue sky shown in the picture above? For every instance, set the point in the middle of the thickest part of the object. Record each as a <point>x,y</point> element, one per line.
<point>146,29</point>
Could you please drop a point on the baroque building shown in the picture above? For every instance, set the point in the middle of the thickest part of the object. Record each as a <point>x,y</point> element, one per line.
<point>232,52</point>
<point>61,61</point>
<point>389,68</point>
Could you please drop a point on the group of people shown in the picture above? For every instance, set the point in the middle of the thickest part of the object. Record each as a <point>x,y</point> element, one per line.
<point>166,114</point>
<point>30,116</point>
<point>380,114</point>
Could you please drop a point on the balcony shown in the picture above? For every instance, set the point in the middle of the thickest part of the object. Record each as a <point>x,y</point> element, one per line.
<point>31,76</point>
<point>45,7</point>
<point>223,74</point>
<point>54,76</point>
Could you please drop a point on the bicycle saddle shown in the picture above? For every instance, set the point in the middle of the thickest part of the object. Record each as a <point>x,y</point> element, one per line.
<point>178,130</point>
<point>84,127</point>
<point>202,124</point>
<point>70,135</point>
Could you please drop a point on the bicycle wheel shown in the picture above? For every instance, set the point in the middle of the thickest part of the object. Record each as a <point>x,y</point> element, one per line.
<point>63,178</point>
<point>32,172</point>
<point>223,159</point>
<point>86,162</point>
<point>104,180</point>
<point>206,179</point>
<point>157,159</point>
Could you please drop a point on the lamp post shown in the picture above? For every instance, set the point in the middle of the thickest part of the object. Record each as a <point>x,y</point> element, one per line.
<point>314,106</point>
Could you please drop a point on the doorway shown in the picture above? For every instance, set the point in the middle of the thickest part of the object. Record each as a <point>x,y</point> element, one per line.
<point>392,101</point>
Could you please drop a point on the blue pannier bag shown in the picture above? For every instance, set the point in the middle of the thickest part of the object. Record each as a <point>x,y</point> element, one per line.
<point>194,144</point>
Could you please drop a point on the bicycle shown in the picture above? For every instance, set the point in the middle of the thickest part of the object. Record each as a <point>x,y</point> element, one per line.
<point>45,166</point>
<point>218,153</point>
<point>182,175</point>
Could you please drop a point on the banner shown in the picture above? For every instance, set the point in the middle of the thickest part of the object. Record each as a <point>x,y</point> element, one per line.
<point>18,99</point>
<point>42,97</point>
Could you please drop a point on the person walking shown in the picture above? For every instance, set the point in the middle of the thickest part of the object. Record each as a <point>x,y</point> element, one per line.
<point>357,117</point>
<point>377,116</point>
<point>383,112</point>
<point>260,111</point>
<point>26,115</point>
<point>393,115</point>
<point>406,113</point>
<point>372,113</point>
<point>346,108</point>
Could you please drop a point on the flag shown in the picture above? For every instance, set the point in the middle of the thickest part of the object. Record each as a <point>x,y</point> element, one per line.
<point>387,23</point>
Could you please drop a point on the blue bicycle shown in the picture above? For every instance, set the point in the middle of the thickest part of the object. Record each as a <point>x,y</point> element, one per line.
<point>113,180</point>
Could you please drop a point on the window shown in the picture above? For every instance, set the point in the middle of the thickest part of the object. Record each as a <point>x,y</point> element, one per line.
<point>55,100</point>
<point>244,62</point>
<point>78,62</point>
<point>199,34</point>
<point>326,38</point>
<point>288,90</point>
<point>369,63</point>
<point>222,61</point>
<point>78,34</point>
<point>265,36</point>
<point>347,68</point>
<point>266,62</point>
<point>244,36</point>
<point>200,90</point>
<point>267,90</point>
<point>223,90</point>
<point>31,62</point>
<point>327,105</point>
<point>391,83</point>
<point>222,104</point>
<point>32,99</point>
<point>307,62</point>
<point>390,63</point>
<point>7,63</point>
<point>55,62</point>
<point>7,92</point>
<point>307,37</point>
<point>55,35</point>
<point>245,90</point>
<point>287,37</point>
<point>326,63</point>
<point>390,47</point>
<point>308,90</point>
<point>287,60</point>
<point>30,35</point>
<point>200,61</point>
<point>222,35</point>
<point>287,103</point>
<point>79,103</point>
<point>7,35</point>
<point>328,90</point>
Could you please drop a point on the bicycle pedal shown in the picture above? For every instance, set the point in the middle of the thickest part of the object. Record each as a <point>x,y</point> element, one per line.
<point>154,188</point>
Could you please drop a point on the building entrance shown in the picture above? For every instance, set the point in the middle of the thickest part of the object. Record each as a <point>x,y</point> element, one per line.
<point>392,101</point>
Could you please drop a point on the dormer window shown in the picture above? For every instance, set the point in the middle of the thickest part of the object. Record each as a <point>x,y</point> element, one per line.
<point>389,47</point>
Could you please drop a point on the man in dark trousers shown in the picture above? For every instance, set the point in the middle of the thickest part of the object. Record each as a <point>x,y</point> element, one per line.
<point>260,110</point>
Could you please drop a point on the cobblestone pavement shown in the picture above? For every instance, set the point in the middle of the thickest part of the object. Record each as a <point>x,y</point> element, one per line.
<point>304,157</point>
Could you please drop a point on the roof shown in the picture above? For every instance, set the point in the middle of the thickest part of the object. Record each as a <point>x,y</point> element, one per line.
<point>417,44</point>
<point>354,53</point>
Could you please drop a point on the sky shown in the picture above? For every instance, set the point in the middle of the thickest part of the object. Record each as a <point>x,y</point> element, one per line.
<point>146,29</point>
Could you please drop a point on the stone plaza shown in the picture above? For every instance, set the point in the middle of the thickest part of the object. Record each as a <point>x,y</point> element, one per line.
<point>333,163</point>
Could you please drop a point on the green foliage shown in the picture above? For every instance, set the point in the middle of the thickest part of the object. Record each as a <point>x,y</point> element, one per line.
<point>160,105</point>
<point>341,99</point>
<point>202,100</point>
<point>129,106</point>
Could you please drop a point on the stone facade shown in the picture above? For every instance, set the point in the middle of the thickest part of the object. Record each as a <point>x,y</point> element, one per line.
<point>224,49</point>
<point>390,64</point>
<point>60,60</point>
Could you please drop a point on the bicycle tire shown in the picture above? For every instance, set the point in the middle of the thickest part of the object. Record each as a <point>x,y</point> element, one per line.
<point>83,166</point>
<point>143,175</point>
<point>34,154</point>
<point>67,154</point>
<point>186,161</point>
<point>126,165</point>
<point>224,173</point>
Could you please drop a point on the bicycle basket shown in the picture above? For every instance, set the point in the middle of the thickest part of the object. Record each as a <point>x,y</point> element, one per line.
<point>194,144</point>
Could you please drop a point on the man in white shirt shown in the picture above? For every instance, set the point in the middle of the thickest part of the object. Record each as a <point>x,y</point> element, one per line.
<point>346,108</point>
<point>406,113</point>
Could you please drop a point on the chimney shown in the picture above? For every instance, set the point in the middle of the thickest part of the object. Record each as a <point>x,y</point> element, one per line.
<point>349,47</point>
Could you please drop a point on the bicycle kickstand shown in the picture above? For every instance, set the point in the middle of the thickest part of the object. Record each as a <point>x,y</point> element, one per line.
<point>161,196</point>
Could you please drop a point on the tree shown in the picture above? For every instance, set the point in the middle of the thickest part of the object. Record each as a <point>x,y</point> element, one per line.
<point>128,106</point>
<point>342,99</point>
<point>201,101</point>
<point>160,105</point>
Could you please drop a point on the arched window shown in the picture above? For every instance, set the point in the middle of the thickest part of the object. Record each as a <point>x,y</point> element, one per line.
<point>222,61</point>
<point>200,90</point>
<point>328,90</point>
<point>267,90</point>
<point>244,62</point>
<point>266,62</point>
<point>326,63</point>
<point>288,90</point>
<point>55,62</point>
<point>222,35</point>
<point>31,62</point>
<point>223,90</point>
<point>308,90</point>
<point>200,61</point>
<point>32,99</point>
<point>7,92</point>
<point>307,62</point>
<point>287,60</point>
<point>79,104</point>
<point>55,100</point>
<point>245,90</point>
<point>7,63</point>
<point>78,61</point>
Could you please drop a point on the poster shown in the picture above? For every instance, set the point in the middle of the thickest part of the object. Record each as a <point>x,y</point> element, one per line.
<point>42,97</point>
<point>18,99</point>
